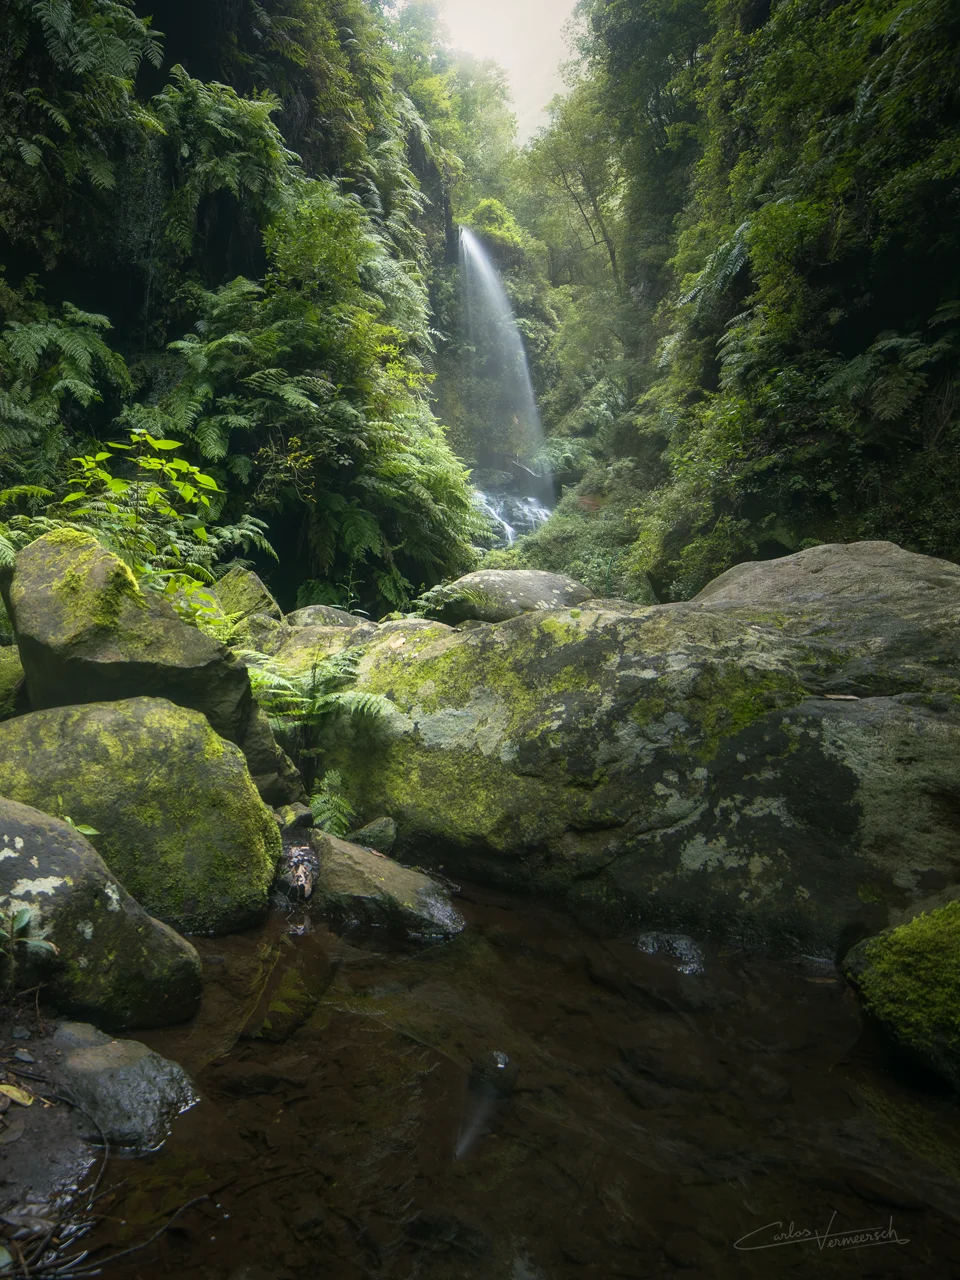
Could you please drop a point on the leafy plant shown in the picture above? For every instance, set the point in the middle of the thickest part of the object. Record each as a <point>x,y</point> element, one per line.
<point>16,935</point>
<point>331,810</point>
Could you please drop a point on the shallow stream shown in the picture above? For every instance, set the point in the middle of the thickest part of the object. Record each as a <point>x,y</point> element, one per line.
<point>527,1102</point>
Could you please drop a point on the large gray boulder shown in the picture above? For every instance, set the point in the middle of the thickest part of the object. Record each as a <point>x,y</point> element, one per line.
<point>177,816</point>
<point>495,595</point>
<point>114,963</point>
<point>87,633</point>
<point>855,569</point>
<point>127,1094</point>
<point>784,772</point>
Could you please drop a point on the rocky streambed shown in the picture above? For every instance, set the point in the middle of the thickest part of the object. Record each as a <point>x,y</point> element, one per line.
<point>525,1100</point>
<point>702,1016</point>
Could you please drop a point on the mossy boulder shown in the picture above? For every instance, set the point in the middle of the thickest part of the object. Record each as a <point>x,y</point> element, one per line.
<point>495,595</point>
<point>785,776</point>
<point>114,963</point>
<point>908,980</point>
<point>87,633</point>
<point>177,816</point>
<point>309,645</point>
<point>240,591</point>
<point>13,687</point>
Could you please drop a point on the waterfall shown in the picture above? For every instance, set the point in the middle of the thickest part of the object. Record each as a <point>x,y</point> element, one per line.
<point>506,432</point>
<point>504,405</point>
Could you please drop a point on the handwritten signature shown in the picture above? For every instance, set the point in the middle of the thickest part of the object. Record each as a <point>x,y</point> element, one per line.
<point>860,1238</point>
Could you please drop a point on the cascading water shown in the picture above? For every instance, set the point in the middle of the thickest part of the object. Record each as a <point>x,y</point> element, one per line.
<point>508,434</point>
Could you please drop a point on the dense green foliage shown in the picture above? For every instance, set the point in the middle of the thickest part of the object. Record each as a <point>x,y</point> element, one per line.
<point>762,198</point>
<point>733,255</point>
<point>223,235</point>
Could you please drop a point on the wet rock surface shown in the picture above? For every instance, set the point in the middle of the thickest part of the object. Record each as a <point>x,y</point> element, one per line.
<point>359,889</point>
<point>633,1131</point>
<point>128,1094</point>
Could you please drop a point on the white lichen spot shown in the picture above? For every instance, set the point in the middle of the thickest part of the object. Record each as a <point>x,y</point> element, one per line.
<point>45,884</point>
<point>7,853</point>
<point>700,854</point>
<point>18,843</point>
<point>35,863</point>
<point>82,962</point>
<point>85,927</point>
<point>770,807</point>
<point>113,897</point>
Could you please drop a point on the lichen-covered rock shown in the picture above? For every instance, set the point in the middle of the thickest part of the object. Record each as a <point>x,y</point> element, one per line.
<point>87,633</point>
<point>261,632</point>
<point>357,888</point>
<point>274,774</point>
<point>785,775</point>
<point>115,963</point>
<point>309,645</point>
<point>321,615</point>
<point>908,980</point>
<point>832,570</point>
<point>177,816</point>
<point>13,688</point>
<point>495,595</point>
<point>241,592</point>
<point>127,1094</point>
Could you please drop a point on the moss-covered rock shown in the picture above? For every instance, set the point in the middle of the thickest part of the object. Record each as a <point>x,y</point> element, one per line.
<point>908,980</point>
<point>242,593</point>
<point>786,775</point>
<point>114,963</point>
<point>13,688</point>
<point>309,645</point>
<point>87,633</point>
<point>177,816</point>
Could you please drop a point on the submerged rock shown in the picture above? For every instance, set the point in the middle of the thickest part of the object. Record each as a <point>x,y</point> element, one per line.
<point>128,1094</point>
<point>358,888</point>
<point>113,962</point>
<point>495,595</point>
<point>87,633</point>
<point>782,774</point>
<point>908,980</point>
<point>176,815</point>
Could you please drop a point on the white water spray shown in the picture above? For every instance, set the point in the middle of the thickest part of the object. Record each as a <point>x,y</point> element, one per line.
<point>498,360</point>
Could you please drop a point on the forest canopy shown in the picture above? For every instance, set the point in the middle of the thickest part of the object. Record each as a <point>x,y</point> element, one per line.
<point>232,229</point>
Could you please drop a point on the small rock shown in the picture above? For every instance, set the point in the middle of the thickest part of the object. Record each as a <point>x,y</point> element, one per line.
<point>293,816</point>
<point>21,1055</point>
<point>381,834</point>
<point>358,888</point>
<point>20,1033</point>
<point>130,1093</point>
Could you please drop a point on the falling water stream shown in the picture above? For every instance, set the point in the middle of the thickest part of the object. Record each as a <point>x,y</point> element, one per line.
<point>504,404</point>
